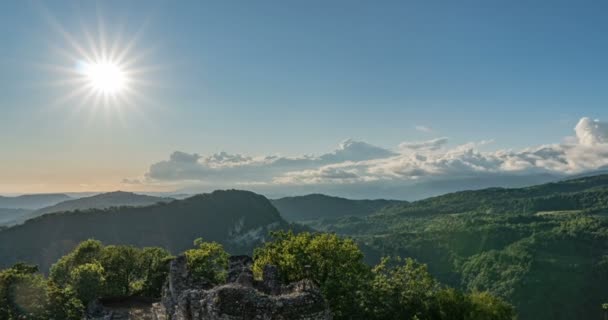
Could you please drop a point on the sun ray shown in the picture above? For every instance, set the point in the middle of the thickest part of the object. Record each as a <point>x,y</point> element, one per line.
<point>104,70</point>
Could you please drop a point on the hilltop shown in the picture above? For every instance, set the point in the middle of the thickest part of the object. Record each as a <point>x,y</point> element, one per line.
<point>32,201</point>
<point>317,206</point>
<point>238,219</point>
<point>588,193</point>
<point>101,201</point>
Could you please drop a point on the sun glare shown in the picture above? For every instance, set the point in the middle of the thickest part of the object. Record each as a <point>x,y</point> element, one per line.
<point>104,72</point>
<point>105,77</point>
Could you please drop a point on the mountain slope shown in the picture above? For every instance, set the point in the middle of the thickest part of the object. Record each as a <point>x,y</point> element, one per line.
<point>238,219</point>
<point>32,201</point>
<point>536,246</point>
<point>319,206</point>
<point>9,216</point>
<point>103,201</point>
<point>587,193</point>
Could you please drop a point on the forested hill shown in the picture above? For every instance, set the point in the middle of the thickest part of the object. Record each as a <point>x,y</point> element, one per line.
<point>11,216</point>
<point>32,201</point>
<point>103,201</point>
<point>589,194</point>
<point>318,206</point>
<point>543,248</point>
<point>238,219</point>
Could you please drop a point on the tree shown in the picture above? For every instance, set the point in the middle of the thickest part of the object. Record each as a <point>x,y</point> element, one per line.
<point>126,270</point>
<point>22,293</point>
<point>335,264</point>
<point>87,281</point>
<point>63,303</point>
<point>25,294</point>
<point>120,265</point>
<point>485,306</point>
<point>154,266</point>
<point>208,261</point>
<point>88,251</point>
<point>401,289</point>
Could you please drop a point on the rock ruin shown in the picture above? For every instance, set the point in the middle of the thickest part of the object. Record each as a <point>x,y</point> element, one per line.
<point>241,298</point>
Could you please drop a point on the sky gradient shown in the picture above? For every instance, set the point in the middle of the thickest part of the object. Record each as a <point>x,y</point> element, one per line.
<point>294,79</point>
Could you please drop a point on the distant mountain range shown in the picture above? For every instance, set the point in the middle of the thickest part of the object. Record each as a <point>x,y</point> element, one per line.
<point>102,201</point>
<point>238,219</point>
<point>318,206</point>
<point>99,201</point>
<point>32,201</point>
<point>10,216</point>
<point>587,193</point>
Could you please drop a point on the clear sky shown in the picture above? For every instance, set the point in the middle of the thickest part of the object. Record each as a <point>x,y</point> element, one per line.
<point>294,78</point>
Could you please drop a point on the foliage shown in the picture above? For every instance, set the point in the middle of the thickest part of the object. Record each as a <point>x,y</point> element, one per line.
<point>25,294</point>
<point>208,261</point>
<point>335,264</point>
<point>393,289</point>
<point>485,306</point>
<point>239,220</point>
<point>317,206</point>
<point>22,293</point>
<point>401,291</point>
<point>589,194</point>
<point>120,264</point>
<point>88,281</point>
<point>121,270</point>
<point>63,303</point>
<point>153,270</point>
<point>536,260</point>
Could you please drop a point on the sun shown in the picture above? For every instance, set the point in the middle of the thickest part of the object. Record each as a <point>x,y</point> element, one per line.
<point>103,70</point>
<point>105,77</point>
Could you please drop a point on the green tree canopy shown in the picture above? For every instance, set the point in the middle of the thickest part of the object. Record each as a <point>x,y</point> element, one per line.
<point>335,264</point>
<point>208,261</point>
<point>25,294</point>
<point>88,281</point>
<point>126,270</point>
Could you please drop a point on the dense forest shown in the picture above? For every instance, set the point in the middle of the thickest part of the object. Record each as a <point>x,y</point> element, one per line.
<point>316,206</point>
<point>543,248</point>
<point>394,289</point>
<point>238,219</point>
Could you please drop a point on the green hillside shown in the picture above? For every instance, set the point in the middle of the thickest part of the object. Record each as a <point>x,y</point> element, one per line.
<point>10,216</point>
<point>100,201</point>
<point>317,206</point>
<point>543,248</point>
<point>588,193</point>
<point>238,219</point>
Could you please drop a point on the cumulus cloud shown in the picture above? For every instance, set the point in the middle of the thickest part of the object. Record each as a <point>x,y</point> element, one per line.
<point>231,168</point>
<point>351,150</point>
<point>591,132</point>
<point>359,163</point>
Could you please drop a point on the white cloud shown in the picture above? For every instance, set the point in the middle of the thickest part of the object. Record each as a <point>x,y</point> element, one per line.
<point>361,164</point>
<point>591,132</point>
<point>230,168</point>
<point>424,129</point>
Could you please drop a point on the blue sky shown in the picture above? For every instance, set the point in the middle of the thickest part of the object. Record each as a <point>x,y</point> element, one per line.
<point>294,78</point>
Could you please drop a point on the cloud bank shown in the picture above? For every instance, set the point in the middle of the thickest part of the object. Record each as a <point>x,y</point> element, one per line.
<point>357,164</point>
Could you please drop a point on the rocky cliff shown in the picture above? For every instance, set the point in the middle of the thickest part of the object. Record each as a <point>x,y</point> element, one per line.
<point>241,298</point>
